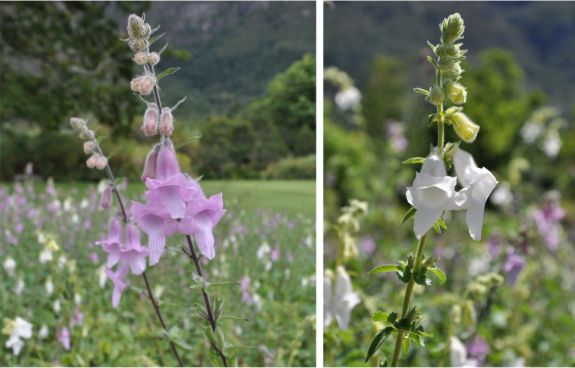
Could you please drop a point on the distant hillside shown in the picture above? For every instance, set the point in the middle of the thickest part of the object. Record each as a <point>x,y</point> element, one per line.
<point>236,48</point>
<point>541,35</point>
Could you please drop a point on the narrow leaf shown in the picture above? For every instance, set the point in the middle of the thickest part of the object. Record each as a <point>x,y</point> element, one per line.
<point>167,72</point>
<point>377,341</point>
<point>409,214</point>
<point>414,161</point>
<point>385,268</point>
<point>438,272</point>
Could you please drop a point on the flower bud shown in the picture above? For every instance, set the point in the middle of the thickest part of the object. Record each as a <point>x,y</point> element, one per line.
<point>135,84</point>
<point>166,122</point>
<point>136,26</point>
<point>141,57</point>
<point>77,123</point>
<point>101,162</point>
<point>452,28</point>
<point>149,125</point>
<point>465,128</point>
<point>91,162</point>
<point>150,165</point>
<point>138,44</point>
<point>147,84</point>
<point>436,95</point>
<point>153,58</point>
<point>89,147</point>
<point>86,134</point>
<point>106,197</point>
<point>456,93</point>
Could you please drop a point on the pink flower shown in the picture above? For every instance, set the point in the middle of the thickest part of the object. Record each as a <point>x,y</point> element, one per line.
<point>120,283</point>
<point>128,252</point>
<point>106,197</point>
<point>63,335</point>
<point>176,204</point>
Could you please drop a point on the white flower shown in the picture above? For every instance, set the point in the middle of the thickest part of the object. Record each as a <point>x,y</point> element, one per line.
<point>348,99</point>
<point>18,329</point>
<point>551,145</point>
<point>502,196</point>
<point>19,286</point>
<point>531,131</point>
<point>43,333</point>
<point>102,277</point>
<point>338,299</point>
<point>432,193</point>
<point>9,266</point>
<point>77,299</point>
<point>46,255</point>
<point>263,250</point>
<point>478,183</point>
<point>56,306</point>
<point>458,354</point>
<point>49,286</point>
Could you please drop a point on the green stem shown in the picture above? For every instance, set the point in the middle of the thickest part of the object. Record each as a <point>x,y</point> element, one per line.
<point>407,297</point>
<point>440,123</point>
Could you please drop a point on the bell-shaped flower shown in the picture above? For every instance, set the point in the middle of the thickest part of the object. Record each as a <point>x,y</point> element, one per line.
<point>128,251</point>
<point>338,298</point>
<point>478,183</point>
<point>432,193</point>
<point>175,203</point>
<point>120,283</point>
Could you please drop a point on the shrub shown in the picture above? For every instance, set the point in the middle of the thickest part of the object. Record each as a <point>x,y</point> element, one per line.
<point>292,168</point>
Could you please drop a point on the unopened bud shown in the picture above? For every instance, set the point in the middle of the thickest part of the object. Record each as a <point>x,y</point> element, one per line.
<point>101,162</point>
<point>456,93</point>
<point>138,44</point>
<point>91,162</point>
<point>147,84</point>
<point>106,197</point>
<point>153,58</point>
<point>452,28</point>
<point>89,147</point>
<point>166,122</point>
<point>141,57</point>
<point>86,134</point>
<point>436,95</point>
<point>136,26</point>
<point>135,84</point>
<point>150,164</point>
<point>150,122</point>
<point>465,128</point>
<point>77,123</point>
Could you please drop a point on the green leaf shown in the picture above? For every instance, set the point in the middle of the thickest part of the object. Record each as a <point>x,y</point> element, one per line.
<point>385,268</point>
<point>405,346</point>
<point>414,161</point>
<point>167,72</point>
<point>438,272</point>
<point>421,91</point>
<point>409,214</point>
<point>155,38</point>
<point>380,316</point>
<point>377,341</point>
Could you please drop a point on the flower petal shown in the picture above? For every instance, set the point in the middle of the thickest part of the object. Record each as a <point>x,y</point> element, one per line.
<point>475,220</point>
<point>424,220</point>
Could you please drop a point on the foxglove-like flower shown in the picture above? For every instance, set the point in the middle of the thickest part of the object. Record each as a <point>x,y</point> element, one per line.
<point>513,265</point>
<point>128,252</point>
<point>151,163</point>
<point>465,128</point>
<point>432,193</point>
<point>120,283</point>
<point>63,335</point>
<point>338,298</point>
<point>478,183</point>
<point>176,204</point>
<point>17,330</point>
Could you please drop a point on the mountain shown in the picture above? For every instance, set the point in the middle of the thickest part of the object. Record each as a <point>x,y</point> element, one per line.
<point>236,48</point>
<point>540,35</point>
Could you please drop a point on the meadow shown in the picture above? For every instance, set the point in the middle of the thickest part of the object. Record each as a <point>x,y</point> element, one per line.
<point>53,277</point>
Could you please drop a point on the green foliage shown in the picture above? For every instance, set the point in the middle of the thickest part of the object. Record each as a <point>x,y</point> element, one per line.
<point>292,168</point>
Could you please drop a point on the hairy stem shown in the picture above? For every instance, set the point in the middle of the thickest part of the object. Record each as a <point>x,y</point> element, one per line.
<point>407,297</point>
<point>125,218</point>
<point>211,320</point>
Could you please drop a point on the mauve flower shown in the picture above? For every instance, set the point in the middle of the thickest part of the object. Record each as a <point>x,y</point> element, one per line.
<point>548,220</point>
<point>432,193</point>
<point>478,184</point>
<point>127,251</point>
<point>77,318</point>
<point>275,254</point>
<point>245,290</point>
<point>478,349</point>
<point>367,245</point>
<point>458,354</point>
<point>106,197</point>
<point>494,246</point>
<point>176,204</point>
<point>513,265</point>
<point>120,283</point>
<point>63,335</point>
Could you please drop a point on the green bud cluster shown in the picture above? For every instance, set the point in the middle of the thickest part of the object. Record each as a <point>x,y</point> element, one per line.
<point>447,88</point>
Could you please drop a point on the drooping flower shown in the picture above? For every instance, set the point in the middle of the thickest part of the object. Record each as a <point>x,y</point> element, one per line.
<point>348,98</point>
<point>432,193</point>
<point>458,354</point>
<point>125,250</point>
<point>478,183</point>
<point>464,127</point>
<point>120,283</point>
<point>338,298</point>
<point>513,265</point>
<point>176,204</point>
<point>18,330</point>
<point>63,335</point>
<point>548,220</point>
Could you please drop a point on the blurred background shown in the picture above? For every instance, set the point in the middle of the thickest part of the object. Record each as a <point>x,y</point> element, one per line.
<point>519,77</point>
<point>247,127</point>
